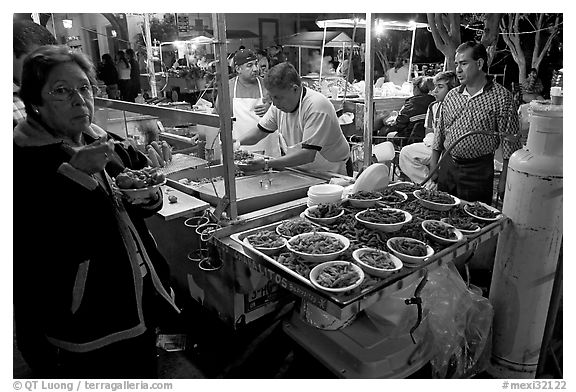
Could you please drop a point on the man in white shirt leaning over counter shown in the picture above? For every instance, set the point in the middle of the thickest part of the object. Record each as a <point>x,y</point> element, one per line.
<point>310,135</point>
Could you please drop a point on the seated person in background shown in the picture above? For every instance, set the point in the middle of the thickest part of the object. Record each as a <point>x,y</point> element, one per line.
<point>415,158</point>
<point>532,87</point>
<point>413,111</point>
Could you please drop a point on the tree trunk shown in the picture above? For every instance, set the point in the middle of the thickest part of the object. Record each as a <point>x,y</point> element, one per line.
<point>445,29</point>
<point>509,25</point>
<point>490,35</point>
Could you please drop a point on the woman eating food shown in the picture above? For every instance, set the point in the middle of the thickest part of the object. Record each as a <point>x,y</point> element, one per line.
<point>89,282</point>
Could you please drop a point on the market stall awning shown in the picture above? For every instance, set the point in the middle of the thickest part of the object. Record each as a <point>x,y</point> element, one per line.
<point>386,24</point>
<point>314,39</point>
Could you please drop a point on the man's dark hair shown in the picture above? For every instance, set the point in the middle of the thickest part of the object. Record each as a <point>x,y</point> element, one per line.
<point>28,33</point>
<point>478,52</point>
<point>282,76</point>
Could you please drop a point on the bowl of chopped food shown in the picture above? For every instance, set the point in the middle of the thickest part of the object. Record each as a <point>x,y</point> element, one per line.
<point>336,276</point>
<point>290,228</point>
<point>324,213</point>
<point>387,220</point>
<point>377,262</point>
<point>405,187</point>
<point>482,211</point>
<point>464,224</point>
<point>139,186</point>
<point>436,200</point>
<point>410,250</point>
<point>392,197</point>
<point>266,241</point>
<point>318,247</point>
<point>364,199</point>
<point>441,232</point>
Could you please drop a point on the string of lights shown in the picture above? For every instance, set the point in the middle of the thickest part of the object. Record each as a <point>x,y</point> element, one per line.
<point>520,32</point>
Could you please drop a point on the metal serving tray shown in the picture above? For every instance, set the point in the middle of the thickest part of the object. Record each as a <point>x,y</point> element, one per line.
<point>253,192</point>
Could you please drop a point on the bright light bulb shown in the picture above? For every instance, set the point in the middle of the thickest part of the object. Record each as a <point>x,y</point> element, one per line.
<point>67,23</point>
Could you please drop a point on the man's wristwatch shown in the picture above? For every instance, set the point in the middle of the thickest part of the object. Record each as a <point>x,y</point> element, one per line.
<point>266,168</point>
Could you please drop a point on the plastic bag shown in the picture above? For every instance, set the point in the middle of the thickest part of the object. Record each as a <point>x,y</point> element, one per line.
<point>459,325</point>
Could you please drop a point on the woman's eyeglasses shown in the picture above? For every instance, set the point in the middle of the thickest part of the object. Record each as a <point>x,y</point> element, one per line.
<point>66,93</point>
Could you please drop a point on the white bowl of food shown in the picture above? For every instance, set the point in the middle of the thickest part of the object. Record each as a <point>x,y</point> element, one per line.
<point>465,225</point>
<point>336,276</point>
<point>140,186</point>
<point>266,241</point>
<point>387,220</point>
<point>318,247</point>
<point>324,213</point>
<point>392,197</point>
<point>292,227</point>
<point>405,187</point>
<point>377,262</point>
<point>410,250</point>
<point>482,211</point>
<point>442,232</point>
<point>364,199</point>
<point>436,200</point>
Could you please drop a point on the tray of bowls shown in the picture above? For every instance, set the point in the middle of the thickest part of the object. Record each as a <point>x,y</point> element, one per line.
<point>367,240</point>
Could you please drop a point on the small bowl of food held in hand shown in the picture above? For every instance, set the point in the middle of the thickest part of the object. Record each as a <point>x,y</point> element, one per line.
<point>482,211</point>
<point>140,186</point>
<point>317,247</point>
<point>377,262</point>
<point>336,276</point>
<point>324,213</point>
<point>266,241</point>
<point>436,200</point>
<point>441,232</point>
<point>387,220</point>
<point>364,199</point>
<point>411,251</point>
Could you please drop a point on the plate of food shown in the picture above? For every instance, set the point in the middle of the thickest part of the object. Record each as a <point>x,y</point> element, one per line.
<point>442,232</point>
<point>364,199</point>
<point>336,276</point>
<point>140,185</point>
<point>436,200</point>
<point>324,213</point>
<point>464,224</point>
<point>292,227</point>
<point>266,241</point>
<point>482,211</point>
<point>392,197</point>
<point>387,220</point>
<point>377,262</point>
<point>318,247</point>
<point>411,251</point>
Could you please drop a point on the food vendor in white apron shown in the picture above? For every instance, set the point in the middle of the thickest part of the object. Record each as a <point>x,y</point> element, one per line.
<point>246,118</point>
<point>246,95</point>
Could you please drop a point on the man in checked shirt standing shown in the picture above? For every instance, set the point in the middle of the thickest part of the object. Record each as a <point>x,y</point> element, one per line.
<point>479,104</point>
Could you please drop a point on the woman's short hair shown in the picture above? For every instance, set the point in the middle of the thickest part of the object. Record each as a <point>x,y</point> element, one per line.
<point>39,64</point>
<point>282,76</point>
<point>447,76</point>
<point>424,84</point>
<point>478,52</point>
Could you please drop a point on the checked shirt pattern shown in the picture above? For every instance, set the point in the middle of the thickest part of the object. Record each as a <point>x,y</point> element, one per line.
<point>492,112</point>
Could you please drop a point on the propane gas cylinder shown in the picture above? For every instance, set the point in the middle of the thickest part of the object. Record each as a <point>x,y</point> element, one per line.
<point>528,248</point>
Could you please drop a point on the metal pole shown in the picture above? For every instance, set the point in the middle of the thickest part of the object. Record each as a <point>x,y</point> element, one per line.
<point>368,92</point>
<point>411,52</point>
<point>322,56</point>
<point>149,55</point>
<point>225,114</point>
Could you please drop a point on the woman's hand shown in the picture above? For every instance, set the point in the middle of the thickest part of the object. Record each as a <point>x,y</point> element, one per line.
<point>93,158</point>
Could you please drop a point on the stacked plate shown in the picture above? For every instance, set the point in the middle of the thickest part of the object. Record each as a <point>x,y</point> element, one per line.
<point>324,194</point>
